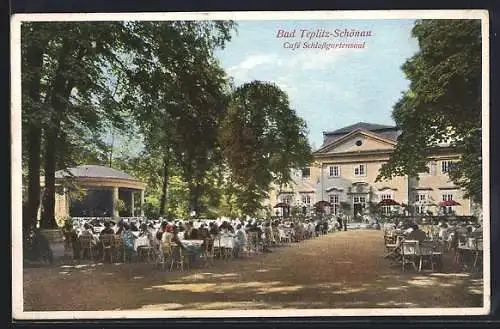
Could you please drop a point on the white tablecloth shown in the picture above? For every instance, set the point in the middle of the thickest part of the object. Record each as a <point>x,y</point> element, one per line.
<point>224,242</point>
<point>192,242</point>
<point>142,241</point>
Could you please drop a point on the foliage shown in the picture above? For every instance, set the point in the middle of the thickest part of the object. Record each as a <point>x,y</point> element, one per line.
<point>442,105</point>
<point>159,83</point>
<point>258,127</point>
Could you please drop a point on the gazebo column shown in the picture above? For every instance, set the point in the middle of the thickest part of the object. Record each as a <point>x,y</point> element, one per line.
<point>132,203</point>
<point>142,203</point>
<point>115,202</point>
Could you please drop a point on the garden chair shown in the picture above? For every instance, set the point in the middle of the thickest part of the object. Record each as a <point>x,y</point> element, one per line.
<point>208,252</point>
<point>119,247</point>
<point>107,242</point>
<point>478,253</point>
<point>428,255</point>
<point>410,253</point>
<point>87,246</point>
<point>178,258</point>
<point>392,246</point>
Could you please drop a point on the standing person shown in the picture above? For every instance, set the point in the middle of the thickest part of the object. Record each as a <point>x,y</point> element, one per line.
<point>339,222</point>
<point>71,240</point>
<point>240,240</point>
<point>128,241</point>
<point>344,221</point>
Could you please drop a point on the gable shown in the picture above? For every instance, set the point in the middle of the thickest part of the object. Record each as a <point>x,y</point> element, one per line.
<point>368,142</point>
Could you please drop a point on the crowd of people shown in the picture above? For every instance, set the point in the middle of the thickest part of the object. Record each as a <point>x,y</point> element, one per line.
<point>243,234</point>
<point>444,237</point>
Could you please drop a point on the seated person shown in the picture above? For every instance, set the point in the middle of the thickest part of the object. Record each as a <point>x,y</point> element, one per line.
<point>133,227</point>
<point>443,232</point>
<point>128,240</point>
<point>240,240</point>
<point>191,234</point>
<point>107,229</point>
<point>415,234</point>
<point>214,229</point>
<point>203,232</point>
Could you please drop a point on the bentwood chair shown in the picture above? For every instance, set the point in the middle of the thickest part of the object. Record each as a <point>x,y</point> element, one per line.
<point>179,259</point>
<point>410,253</point>
<point>107,242</point>
<point>119,247</point>
<point>208,252</point>
<point>163,254</point>
<point>429,255</point>
<point>87,246</point>
<point>478,254</point>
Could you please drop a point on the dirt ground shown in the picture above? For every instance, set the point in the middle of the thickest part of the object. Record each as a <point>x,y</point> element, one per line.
<point>340,270</point>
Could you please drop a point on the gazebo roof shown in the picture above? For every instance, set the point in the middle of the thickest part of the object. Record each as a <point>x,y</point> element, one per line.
<point>93,171</point>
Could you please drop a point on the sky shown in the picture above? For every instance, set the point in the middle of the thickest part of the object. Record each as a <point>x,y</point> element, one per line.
<point>331,88</point>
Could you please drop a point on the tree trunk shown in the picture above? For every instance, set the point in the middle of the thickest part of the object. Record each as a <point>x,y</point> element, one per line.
<point>60,93</point>
<point>34,149</point>
<point>164,193</point>
<point>48,219</point>
<point>196,196</point>
<point>34,138</point>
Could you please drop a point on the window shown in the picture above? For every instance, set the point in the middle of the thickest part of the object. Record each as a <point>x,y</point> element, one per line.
<point>386,210</point>
<point>420,197</point>
<point>334,171</point>
<point>447,197</point>
<point>359,199</point>
<point>306,199</point>
<point>360,170</point>
<point>359,142</point>
<point>421,210</point>
<point>334,200</point>
<point>306,173</point>
<point>432,168</point>
<point>385,196</point>
<point>445,166</point>
<point>286,199</point>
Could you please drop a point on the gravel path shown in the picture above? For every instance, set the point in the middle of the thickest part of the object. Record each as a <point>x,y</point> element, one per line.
<point>340,270</point>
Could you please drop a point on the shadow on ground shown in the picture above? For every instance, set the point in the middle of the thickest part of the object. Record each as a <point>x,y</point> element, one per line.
<point>341,275</point>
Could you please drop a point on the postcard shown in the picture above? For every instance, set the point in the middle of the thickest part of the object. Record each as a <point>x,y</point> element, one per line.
<point>250,164</point>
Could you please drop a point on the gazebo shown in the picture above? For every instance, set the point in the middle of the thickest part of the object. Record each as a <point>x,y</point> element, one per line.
<point>103,188</point>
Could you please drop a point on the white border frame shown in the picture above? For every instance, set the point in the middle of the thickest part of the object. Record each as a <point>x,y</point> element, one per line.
<point>17,263</point>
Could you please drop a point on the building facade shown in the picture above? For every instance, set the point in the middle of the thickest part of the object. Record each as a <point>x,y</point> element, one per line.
<point>345,169</point>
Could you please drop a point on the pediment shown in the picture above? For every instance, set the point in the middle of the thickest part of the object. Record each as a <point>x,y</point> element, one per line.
<point>385,188</point>
<point>334,189</point>
<point>359,141</point>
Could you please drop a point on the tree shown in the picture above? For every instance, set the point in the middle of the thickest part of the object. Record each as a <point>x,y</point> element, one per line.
<point>62,83</point>
<point>442,105</point>
<point>262,140</point>
<point>177,90</point>
<point>32,47</point>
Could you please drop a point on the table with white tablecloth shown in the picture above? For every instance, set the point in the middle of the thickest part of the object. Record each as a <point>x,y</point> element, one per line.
<point>224,241</point>
<point>194,243</point>
<point>141,241</point>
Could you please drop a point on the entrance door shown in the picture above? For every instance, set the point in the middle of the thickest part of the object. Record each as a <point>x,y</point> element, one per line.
<point>358,206</point>
<point>358,210</point>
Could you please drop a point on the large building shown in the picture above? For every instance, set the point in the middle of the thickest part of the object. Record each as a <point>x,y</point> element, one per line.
<point>345,168</point>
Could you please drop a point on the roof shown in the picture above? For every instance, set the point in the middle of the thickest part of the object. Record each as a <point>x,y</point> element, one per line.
<point>386,132</point>
<point>93,171</point>
<point>360,125</point>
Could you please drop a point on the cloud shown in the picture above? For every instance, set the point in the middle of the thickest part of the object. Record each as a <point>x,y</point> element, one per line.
<point>261,64</point>
<point>242,71</point>
<point>252,61</point>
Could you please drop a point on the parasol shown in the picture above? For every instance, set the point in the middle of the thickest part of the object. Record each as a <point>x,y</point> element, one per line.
<point>388,202</point>
<point>281,205</point>
<point>322,203</point>
<point>448,203</point>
